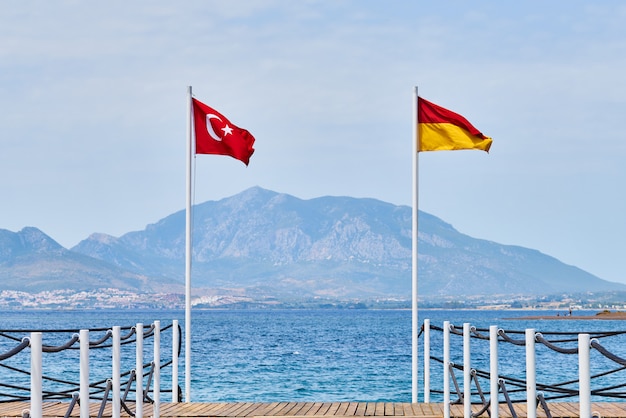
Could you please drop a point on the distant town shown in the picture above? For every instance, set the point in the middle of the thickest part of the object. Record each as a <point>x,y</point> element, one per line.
<point>110,298</point>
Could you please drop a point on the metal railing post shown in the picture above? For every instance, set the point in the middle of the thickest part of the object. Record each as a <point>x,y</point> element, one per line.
<point>531,375</point>
<point>156,407</point>
<point>493,370</point>
<point>139,370</point>
<point>446,369</point>
<point>116,366</point>
<point>426,360</point>
<point>467,377</point>
<point>584,375</point>
<point>175,350</point>
<point>84,373</point>
<point>36,375</point>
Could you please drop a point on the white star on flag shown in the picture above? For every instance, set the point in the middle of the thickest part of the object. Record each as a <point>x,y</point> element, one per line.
<point>227,130</point>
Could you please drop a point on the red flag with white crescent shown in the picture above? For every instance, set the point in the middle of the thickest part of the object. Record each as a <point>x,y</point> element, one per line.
<point>215,134</point>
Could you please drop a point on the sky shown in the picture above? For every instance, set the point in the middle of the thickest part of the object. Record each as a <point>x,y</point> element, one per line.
<point>93,112</point>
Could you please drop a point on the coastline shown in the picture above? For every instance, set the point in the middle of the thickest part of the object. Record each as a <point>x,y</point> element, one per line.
<point>604,315</point>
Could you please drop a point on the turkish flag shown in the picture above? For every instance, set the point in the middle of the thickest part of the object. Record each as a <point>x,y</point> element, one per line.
<point>216,135</point>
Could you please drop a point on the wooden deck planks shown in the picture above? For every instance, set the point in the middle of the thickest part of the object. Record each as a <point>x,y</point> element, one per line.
<point>608,409</point>
<point>316,409</point>
<point>351,409</point>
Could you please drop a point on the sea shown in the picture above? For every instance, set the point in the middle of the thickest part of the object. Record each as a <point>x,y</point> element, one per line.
<point>321,355</point>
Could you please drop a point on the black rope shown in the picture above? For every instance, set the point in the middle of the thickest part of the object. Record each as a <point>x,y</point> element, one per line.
<point>150,331</point>
<point>106,336</point>
<point>70,344</point>
<point>180,338</point>
<point>455,330</point>
<point>539,338</point>
<point>10,337</point>
<point>557,390</point>
<point>484,401</point>
<point>509,402</point>
<point>105,397</point>
<point>131,332</point>
<point>125,395</point>
<point>99,389</point>
<point>66,331</point>
<point>25,343</point>
<point>544,405</point>
<point>74,385</point>
<point>56,349</point>
<point>606,353</point>
<point>504,334</point>
<point>456,384</point>
<point>71,405</point>
<point>593,334</point>
<point>478,334</point>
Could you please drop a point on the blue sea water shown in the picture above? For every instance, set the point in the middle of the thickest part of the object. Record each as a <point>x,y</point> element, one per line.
<point>322,355</point>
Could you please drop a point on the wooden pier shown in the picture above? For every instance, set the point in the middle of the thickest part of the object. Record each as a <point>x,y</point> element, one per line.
<point>317,409</point>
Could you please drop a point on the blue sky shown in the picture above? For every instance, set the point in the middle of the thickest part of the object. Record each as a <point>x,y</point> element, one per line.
<point>92,112</point>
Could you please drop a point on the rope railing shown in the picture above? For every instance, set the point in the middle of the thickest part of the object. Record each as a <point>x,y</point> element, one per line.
<point>517,389</point>
<point>55,349</point>
<point>85,390</point>
<point>544,405</point>
<point>540,339</point>
<point>7,334</point>
<point>505,336</point>
<point>519,384</point>
<point>477,331</point>
<point>606,353</point>
<point>15,350</point>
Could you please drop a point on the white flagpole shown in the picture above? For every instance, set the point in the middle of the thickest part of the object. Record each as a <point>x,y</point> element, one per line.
<point>188,256</point>
<point>414,321</point>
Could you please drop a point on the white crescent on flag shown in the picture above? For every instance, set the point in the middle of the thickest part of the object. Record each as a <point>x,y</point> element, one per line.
<point>209,127</point>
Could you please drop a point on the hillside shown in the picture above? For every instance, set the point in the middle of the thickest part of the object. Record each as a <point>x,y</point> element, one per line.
<point>260,244</point>
<point>268,243</point>
<point>32,261</point>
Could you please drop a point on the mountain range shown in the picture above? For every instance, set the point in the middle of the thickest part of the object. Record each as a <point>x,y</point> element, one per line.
<point>267,244</point>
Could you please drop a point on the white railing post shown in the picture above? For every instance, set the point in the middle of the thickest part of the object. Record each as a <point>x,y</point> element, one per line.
<point>531,375</point>
<point>467,377</point>
<point>584,375</point>
<point>116,366</point>
<point>84,373</point>
<point>139,371</point>
<point>156,407</point>
<point>493,370</point>
<point>36,375</point>
<point>446,369</point>
<point>175,350</point>
<point>426,360</point>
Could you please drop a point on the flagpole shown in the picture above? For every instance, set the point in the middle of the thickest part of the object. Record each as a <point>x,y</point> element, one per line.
<point>414,321</point>
<point>188,256</point>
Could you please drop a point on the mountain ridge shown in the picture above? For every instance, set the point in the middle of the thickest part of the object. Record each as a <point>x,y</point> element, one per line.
<point>266,244</point>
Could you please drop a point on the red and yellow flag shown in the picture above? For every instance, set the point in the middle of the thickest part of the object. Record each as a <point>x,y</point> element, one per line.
<point>440,129</point>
